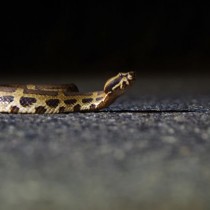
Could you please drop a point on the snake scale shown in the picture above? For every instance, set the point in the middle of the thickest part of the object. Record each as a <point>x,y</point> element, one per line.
<point>42,99</point>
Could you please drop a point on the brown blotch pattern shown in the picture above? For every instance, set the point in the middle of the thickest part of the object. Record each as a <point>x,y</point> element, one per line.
<point>92,107</point>
<point>87,100</point>
<point>53,102</point>
<point>27,101</point>
<point>6,99</point>
<point>77,108</point>
<point>14,109</point>
<point>61,109</point>
<point>70,101</point>
<point>40,110</point>
<point>99,98</point>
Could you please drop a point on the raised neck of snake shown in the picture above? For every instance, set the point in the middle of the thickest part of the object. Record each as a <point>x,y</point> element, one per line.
<point>115,87</point>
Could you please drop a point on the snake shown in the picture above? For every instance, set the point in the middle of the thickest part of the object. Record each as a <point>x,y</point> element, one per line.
<point>61,98</point>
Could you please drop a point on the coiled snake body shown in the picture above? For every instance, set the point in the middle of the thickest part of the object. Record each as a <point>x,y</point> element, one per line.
<point>61,98</point>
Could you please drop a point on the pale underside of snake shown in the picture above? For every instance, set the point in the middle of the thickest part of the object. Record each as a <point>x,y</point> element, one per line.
<point>42,99</point>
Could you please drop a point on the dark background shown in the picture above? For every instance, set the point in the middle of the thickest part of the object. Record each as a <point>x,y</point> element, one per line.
<point>83,37</point>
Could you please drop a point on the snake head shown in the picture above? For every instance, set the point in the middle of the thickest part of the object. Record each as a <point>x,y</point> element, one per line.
<point>119,83</point>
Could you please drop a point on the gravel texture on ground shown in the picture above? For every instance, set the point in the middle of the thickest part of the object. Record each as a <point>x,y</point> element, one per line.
<point>149,150</point>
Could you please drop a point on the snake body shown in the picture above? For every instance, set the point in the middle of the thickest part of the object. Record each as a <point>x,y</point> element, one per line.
<point>42,99</point>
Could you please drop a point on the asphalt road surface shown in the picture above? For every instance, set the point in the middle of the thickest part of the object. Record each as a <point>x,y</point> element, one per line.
<point>149,150</point>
